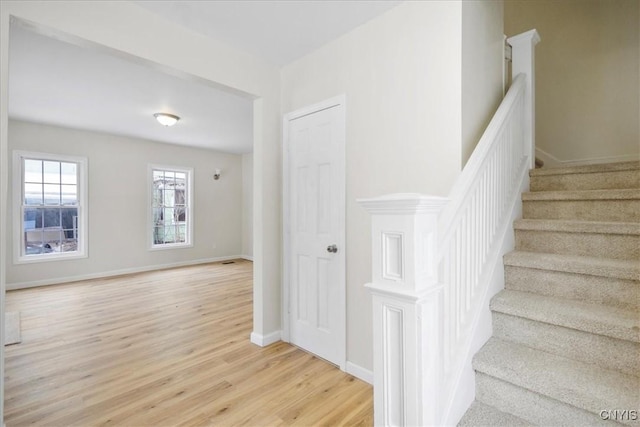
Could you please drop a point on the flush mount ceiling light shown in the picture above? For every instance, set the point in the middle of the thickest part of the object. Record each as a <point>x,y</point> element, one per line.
<point>166,119</point>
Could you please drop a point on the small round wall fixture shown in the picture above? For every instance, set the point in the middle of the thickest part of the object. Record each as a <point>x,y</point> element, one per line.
<point>166,119</point>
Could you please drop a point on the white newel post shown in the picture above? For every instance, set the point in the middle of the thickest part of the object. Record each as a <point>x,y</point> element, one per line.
<point>523,61</point>
<point>407,309</point>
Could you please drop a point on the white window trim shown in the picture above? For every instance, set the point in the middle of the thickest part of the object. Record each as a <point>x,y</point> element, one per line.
<point>191,203</point>
<point>83,208</point>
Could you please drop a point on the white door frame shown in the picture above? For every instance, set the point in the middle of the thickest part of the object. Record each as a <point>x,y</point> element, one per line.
<point>339,100</point>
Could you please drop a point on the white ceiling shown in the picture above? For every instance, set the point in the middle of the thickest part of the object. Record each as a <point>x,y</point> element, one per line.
<point>54,82</point>
<point>277,31</point>
<point>58,83</point>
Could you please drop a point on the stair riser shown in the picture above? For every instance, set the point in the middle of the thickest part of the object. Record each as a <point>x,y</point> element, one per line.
<point>583,210</point>
<point>587,181</point>
<point>531,406</point>
<point>616,246</point>
<point>570,343</point>
<point>480,414</point>
<point>601,290</point>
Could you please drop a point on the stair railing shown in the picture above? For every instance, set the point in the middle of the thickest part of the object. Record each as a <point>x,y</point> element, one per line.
<point>436,262</point>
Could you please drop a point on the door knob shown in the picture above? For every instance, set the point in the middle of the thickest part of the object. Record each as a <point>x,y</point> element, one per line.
<point>332,248</point>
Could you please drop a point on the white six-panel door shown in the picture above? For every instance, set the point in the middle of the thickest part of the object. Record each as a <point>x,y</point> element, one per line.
<point>315,232</point>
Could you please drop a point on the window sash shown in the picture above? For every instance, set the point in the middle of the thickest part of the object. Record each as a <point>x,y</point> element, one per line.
<point>170,207</point>
<point>50,216</point>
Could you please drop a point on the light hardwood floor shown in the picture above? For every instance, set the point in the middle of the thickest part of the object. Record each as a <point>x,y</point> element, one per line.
<point>165,348</point>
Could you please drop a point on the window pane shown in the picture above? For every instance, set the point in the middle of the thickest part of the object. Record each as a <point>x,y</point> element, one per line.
<point>51,194</point>
<point>52,238</point>
<point>33,194</point>
<point>157,216</point>
<point>158,235</point>
<point>51,172</point>
<point>181,214</point>
<point>158,175</point>
<point>69,194</point>
<point>181,176</point>
<point>181,233</point>
<point>169,196</point>
<point>32,218</point>
<point>180,198</point>
<point>70,242</point>
<point>168,216</point>
<point>69,220</point>
<point>33,241</point>
<point>69,174</point>
<point>169,177</point>
<point>51,218</point>
<point>174,234</point>
<point>157,195</point>
<point>32,170</point>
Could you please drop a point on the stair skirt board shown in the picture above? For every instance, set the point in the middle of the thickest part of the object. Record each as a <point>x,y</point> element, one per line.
<point>566,328</point>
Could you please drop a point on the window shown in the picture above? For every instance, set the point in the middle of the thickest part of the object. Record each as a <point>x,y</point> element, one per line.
<point>50,213</point>
<point>170,207</point>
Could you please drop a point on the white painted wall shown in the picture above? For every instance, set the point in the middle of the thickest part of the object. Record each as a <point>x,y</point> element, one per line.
<point>247,205</point>
<point>118,202</point>
<point>133,32</point>
<point>482,62</point>
<point>402,76</point>
<point>587,77</point>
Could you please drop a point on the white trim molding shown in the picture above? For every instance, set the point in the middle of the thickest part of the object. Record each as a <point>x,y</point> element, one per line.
<point>265,340</point>
<point>552,161</point>
<point>359,372</point>
<point>113,273</point>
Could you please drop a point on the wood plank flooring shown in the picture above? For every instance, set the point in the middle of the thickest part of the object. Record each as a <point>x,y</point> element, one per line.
<point>165,348</point>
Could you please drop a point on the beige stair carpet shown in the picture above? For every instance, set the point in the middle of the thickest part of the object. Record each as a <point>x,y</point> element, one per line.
<point>565,349</point>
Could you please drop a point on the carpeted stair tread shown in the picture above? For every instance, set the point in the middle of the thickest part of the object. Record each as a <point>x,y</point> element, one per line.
<point>593,177</point>
<point>594,227</point>
<point>482,415</point>
<point>534,407</point>
<point>598,319</point>
<point>593,266</point>
<point>570,343</point>
<point>575,383</point>
<point>598,168</point>
<point>612,194</point>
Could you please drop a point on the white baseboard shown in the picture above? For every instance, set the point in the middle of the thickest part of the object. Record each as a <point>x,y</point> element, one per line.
<point>551,161</point>
<point>112,273</point>
<point>359,372</point>
<point>247,257</point>
<point>265,340</point>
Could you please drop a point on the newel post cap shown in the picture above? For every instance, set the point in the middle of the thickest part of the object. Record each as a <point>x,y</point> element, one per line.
<point>531,36</point>
<point>404,231</point>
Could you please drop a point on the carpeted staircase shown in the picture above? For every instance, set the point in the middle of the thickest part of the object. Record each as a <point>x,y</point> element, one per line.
<point>565,343</point>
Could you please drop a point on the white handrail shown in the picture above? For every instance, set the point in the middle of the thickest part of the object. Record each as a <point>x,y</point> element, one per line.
<point>477,160</point>
<point>473,224</point>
